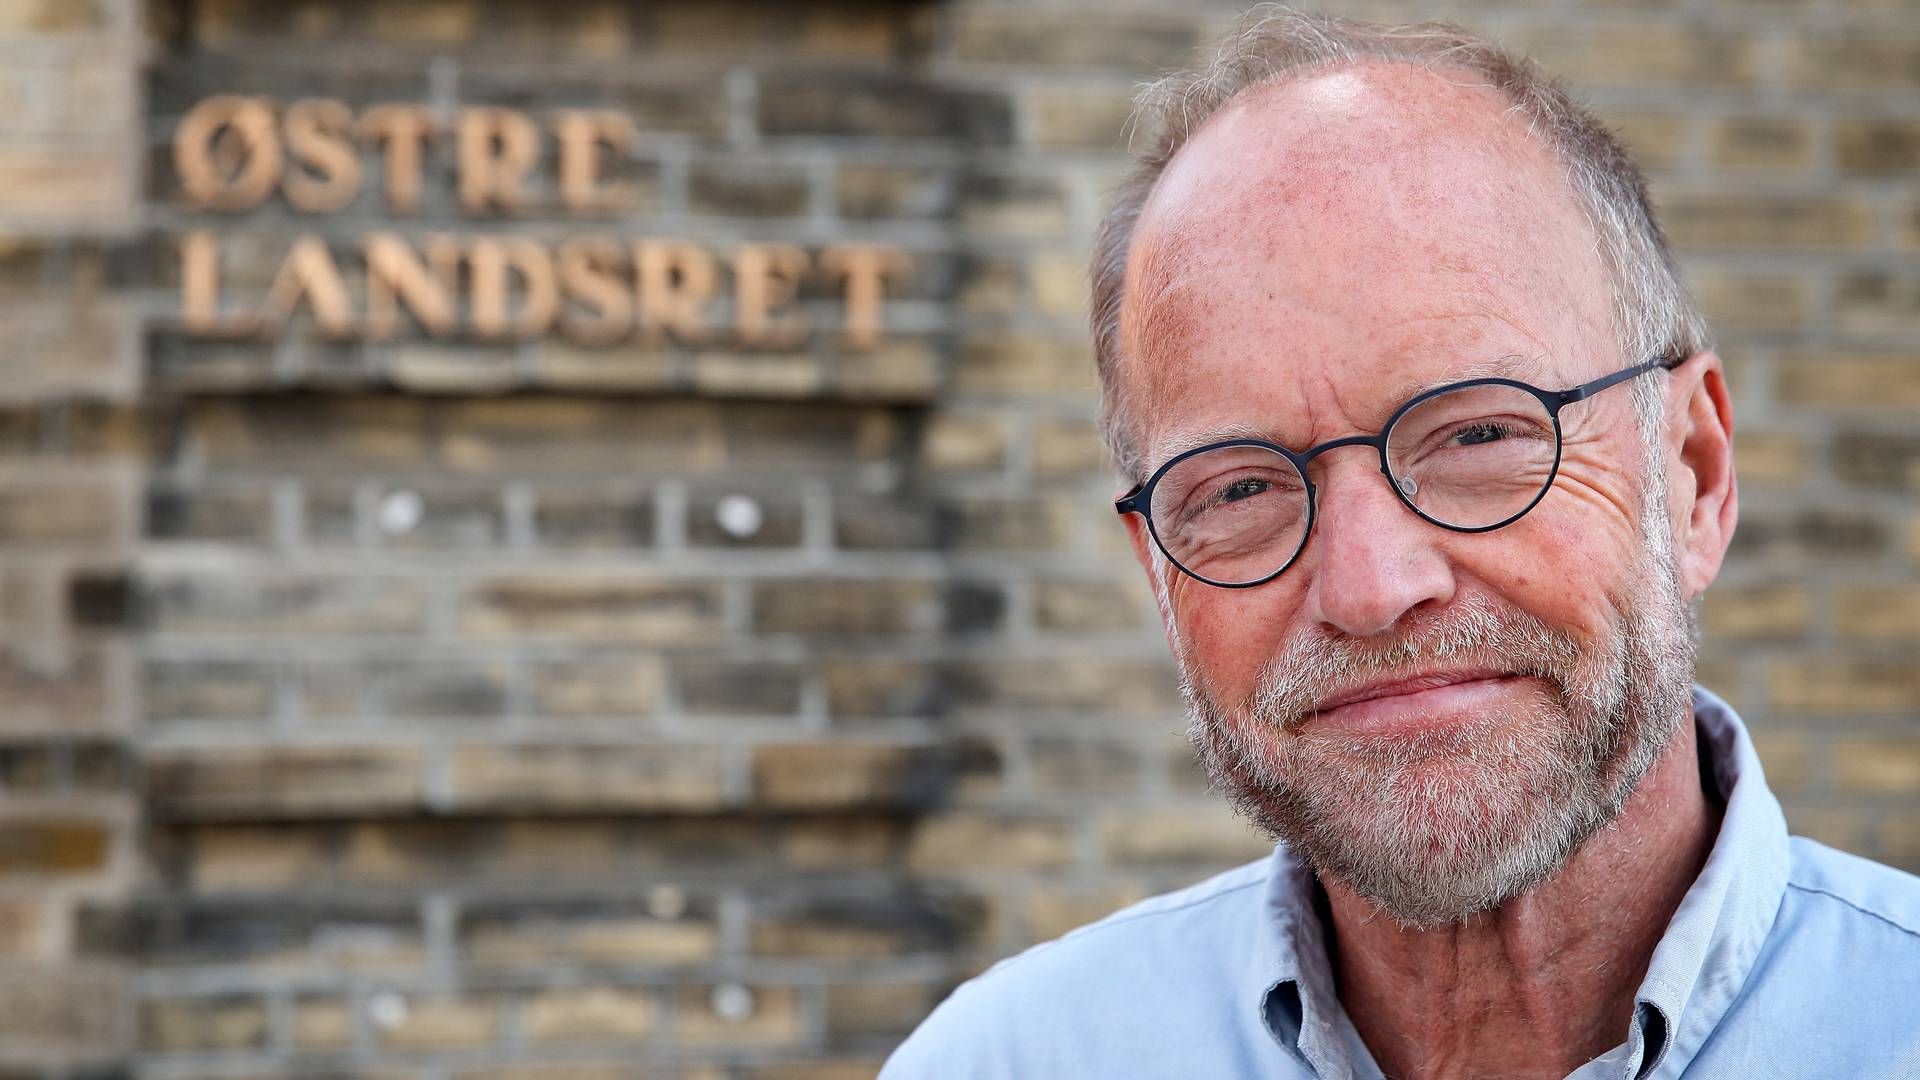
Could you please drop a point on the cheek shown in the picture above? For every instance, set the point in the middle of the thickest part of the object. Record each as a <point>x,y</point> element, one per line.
<point>1229,633</point>
<point>1563,566</point>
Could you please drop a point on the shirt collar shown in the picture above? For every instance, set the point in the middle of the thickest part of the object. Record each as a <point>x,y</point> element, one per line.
<point>1696,971</point>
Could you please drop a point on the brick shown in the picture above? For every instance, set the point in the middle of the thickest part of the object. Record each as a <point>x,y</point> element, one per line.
<point>539,936</point>
<point>25,923</point>
<point>229,515</point>
<point>836,1069</point>
<point>438,369</point>
<point>1059,283</point>
<point>22,17</point>
<point>171,1025</point>
<point>1130,687</point>
<point>1777,143</point>
<point>859,927</point>
<point>865,524</point>
<point>200,689</point>
<point>771,1014</point>
<point>895,371</point>
<point>58,1011</point>
<point>846,607</point>
<point>53,847</point>
<point>594,687</point>
<point>1087,606</point>
<point>1843,686</point>
<point>1730,222</point>
<point>1787,758</point>
<point>623,609</point>
<point>73,697</point>
<point>870,688</point>
<point>587,1013</point>
<point>882,106</point>
<point>296,934</point>
<point>848,775</point>
<point>1886,765</point>
<point>1848,62</point>
<point>1876,146</point>
<point>1052,911</point>
<point>289,604</point>
<point>1873,305</point>
<point>1208,834</point>
<point>1019,366</point>
<point>754,189</point>
<point>1013,205</point>
<point>1756,303</point>
<point>959,843</point>
<point>440,519</point>
<point>593,518</point>
<point>874,192</point>
<point>1637,53</point>
<point>321,1023</point>
<point>963,442</point>
<point>433,690</point>
<point>890,1008</point>
<point>282,781</point>
<point>443,1024</point>
<point>628,367</point>
<point>994,524</point>
<point>1083,766</point>
<point>732,518</point>
<point>1659,140</point>
<point>1794,537</point>
<point>590,778</point>
<point>1849,379</point>
<point>323,433</point>
<point>1884,612</point>
<point>1874,460</point>
<point>1067,447</point>
<point>757,375</point>
<point>839,843</point>
<point>253,858</point>
<point>1077,117</point>
<point>1136,42</point>
<point>52,190</point>
<point>710,688</point>
<point>1776,610</point>
<point>68,508</point>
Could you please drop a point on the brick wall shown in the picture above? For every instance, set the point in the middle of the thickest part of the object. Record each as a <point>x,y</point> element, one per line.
<point>466,711</point>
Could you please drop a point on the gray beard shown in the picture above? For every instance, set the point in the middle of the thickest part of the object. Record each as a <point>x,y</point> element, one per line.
<point>1436,826</point>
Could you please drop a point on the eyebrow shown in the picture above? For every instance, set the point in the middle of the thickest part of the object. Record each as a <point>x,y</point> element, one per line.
<point>1512,366</point>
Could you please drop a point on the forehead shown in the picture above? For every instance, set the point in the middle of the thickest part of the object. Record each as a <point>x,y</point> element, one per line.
<point>1327,245</point>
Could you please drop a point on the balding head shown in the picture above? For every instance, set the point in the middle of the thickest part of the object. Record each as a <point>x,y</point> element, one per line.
<point>1650,311</point>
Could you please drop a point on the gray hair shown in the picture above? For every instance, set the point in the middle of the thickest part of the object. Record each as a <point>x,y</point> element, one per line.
<point>1652,311</point>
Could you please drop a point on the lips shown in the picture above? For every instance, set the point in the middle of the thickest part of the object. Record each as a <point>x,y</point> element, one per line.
<point>1409,704</point>
<point>1410,684</point>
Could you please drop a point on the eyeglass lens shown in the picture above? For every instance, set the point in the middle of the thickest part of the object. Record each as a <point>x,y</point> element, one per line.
<point>1468,458</point>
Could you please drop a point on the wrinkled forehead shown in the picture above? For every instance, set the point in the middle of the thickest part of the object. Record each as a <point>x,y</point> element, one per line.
<point>1358,230</point>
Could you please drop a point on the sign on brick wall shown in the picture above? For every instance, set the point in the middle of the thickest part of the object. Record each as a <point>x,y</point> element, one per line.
<point>479,286</point>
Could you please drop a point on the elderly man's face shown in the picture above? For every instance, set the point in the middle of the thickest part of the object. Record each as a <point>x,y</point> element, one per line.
<point>1321,250</point>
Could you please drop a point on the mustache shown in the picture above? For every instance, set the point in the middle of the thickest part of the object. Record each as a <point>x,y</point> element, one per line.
<point>1315,668</point>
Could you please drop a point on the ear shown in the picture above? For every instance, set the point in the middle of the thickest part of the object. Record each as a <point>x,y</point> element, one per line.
<point>1702,496</point>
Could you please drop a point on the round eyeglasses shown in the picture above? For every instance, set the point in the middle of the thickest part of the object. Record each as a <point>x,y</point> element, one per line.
<point>1470,456</point>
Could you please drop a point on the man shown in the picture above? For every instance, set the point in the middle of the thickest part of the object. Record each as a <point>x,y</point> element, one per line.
<point>1427,454</point>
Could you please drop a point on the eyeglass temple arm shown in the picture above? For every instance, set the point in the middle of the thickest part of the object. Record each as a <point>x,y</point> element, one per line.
<point>1587,390</point>
<point>1127,503</point>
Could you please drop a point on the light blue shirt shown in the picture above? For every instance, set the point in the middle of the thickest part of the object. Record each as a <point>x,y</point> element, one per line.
<point>1786,958</point>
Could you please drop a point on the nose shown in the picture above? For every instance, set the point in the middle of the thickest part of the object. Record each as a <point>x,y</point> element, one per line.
<point>1371,560</point>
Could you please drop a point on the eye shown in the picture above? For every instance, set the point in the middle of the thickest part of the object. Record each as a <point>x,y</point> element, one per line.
<point>1481,432</point>
<point>1243,488</point>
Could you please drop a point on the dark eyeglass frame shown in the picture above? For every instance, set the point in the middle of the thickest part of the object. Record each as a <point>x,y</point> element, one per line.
<point>1140,498</point>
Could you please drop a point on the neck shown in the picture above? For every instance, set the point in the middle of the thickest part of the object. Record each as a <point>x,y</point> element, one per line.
<point>1545,982</point>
